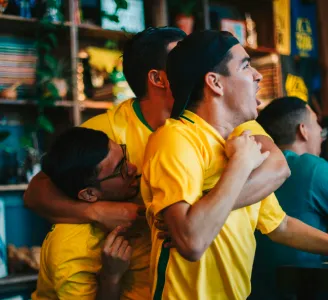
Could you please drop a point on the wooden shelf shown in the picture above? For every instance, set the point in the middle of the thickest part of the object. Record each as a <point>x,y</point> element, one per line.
<point>260,51</point>
<point>18,283</point>
<point>93,31</point>
<point>13,187</point>
<point>62,103</point>
<point>95,104</point>
<point>10,24</point>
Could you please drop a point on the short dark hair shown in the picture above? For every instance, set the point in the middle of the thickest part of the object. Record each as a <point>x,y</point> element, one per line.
<point>281,118</point>
<point>147,50</point>
<point>72,162</point>
<point>198,91</point>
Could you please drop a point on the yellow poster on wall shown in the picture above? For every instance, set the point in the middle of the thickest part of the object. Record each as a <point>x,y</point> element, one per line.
<point>281,9</point>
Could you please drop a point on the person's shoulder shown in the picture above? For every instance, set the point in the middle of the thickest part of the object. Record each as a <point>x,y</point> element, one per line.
<point>171,130</point>
<point>67,241</point>
<point>313,159</point>
<point>253,126</point>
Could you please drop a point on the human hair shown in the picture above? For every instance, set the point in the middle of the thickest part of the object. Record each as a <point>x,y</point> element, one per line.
<point>147,50</point>
<point>281,118</point>
<point>198,90</point>
<point>72,161</point>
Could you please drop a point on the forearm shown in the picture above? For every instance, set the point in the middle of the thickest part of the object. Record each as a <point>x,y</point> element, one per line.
<point>203,221</point>
<point>45,199</point>
<point>108,288</point>
<point>296,234</point>
<point>266,179</point>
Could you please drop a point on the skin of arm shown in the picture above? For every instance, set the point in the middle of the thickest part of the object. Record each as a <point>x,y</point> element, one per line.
<point>116,256</point>
<point>266,178</point>
<point>45,199</point>
<point>296,234</point>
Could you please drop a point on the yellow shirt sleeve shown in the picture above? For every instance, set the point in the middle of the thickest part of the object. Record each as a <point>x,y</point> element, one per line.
<point>76,279</point>
<point>271,214</point>
<point>173,171</point>
<point>253,126</point>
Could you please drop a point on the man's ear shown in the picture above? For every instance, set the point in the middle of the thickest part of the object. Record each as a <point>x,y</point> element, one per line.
<point>303,131</point>
<point>212,80</point>
<point>88,195</point>
<point>156,78</point>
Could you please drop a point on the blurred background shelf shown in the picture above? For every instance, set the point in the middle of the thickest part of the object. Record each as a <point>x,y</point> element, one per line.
<point>23,26</point>
<point>13,187</point>
<point>95,104</point>
<point>62,103</point>
<point>18,283</point>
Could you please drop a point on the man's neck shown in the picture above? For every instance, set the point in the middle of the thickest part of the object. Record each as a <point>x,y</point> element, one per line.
<point>217,117</point>
<point>154,109</point>
<point>298,148</point>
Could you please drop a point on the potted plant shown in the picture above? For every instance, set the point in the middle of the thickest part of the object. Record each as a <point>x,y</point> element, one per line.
<point>184,10</point>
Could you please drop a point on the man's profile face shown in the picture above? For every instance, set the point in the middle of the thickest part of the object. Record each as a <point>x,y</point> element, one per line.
<point>314,132</point>
<point>241,86</point>
<point>122,184</point>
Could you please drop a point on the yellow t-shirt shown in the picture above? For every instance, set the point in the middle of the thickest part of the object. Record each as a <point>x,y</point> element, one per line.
<point>125,124</point>
<point>64,255</point>
<point>70,260</point>
<point>184,158</point>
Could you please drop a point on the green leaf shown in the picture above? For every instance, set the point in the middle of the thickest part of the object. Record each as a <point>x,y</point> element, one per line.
<point>52,89</point>
<point>121,4</point>
<point>53,39</point>
<point>111,44</point>
<point>51,62</point>
<point>45,124</point>
<point>26,141</point>
<point>4,135</point>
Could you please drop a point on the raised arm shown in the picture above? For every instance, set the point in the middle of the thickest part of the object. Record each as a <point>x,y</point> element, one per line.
<point>267,178</point>
<point>45,199</point>
<point>194,227</point>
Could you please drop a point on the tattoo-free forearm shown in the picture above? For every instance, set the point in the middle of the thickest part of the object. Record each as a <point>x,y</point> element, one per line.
<point>44,198</point>
<point>296,234</point>
<point>264,180</point>
<point>108,288</point>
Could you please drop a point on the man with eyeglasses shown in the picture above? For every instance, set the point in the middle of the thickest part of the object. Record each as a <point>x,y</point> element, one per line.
<point>96,170</point>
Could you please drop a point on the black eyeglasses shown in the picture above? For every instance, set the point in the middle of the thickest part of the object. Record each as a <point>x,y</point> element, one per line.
<point>121,169</point>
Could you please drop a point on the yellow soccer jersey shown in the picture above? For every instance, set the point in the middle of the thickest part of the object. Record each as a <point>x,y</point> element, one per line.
<point>70,260</point>
<point>125,124</point>
<point>184,158</point>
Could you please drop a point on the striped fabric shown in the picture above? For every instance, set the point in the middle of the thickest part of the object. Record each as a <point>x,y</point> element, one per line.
<point>18,63</point>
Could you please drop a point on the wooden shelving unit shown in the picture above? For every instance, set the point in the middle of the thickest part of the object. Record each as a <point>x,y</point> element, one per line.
<point>18,284</point>
<point>64,103</point>
<point>89,104</point>
<point>13,187</point>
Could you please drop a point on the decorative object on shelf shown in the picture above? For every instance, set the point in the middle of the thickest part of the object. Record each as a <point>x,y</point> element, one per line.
<point>237,28</point>
<point>10,93</point>
<point>25,7</point>
<point>304,34</point>
<point>18,59</point>
<point>3,5</point>
<point>3,248</point>
<point>281,14</point>
<point>23,259</point>
<point>251,31</point>
<point>53,13</point>
<point>120,5</point>
<point>184,10</point>
<point>122,15</point>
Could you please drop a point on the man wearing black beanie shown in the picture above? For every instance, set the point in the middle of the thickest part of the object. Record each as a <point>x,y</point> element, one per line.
<point>196,171</point>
